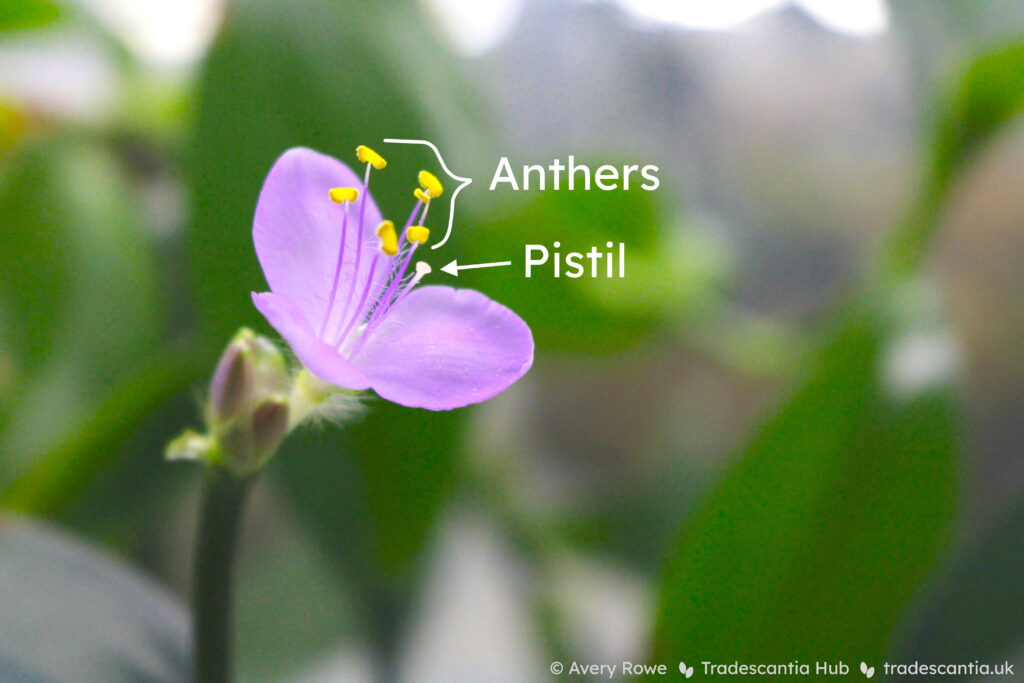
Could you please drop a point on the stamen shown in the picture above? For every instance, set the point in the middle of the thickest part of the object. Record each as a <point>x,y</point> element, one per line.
<point>422,270</point>
<point>359,242</point>
<point>430,183</point>
<point>389,246</point>
<point>394,283</point>
<point>388,238</point>
<point>418,234</point>
<point>368,156</point>
<point>398,248</point>
<point>414,217</point>
<point>340,195</point>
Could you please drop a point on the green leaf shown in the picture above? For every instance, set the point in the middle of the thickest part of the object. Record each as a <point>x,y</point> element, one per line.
<point>34,291</point>
<point>71,614</point>
<point>370,496</point>
<point>24,14</point>
<point>667,276</point>
<point>59,475</point>
<point>973,611</point>
<point>812,546</point>
<point>986,96</point>
<point>78,296</point>
<point>373,491</point>
<point>293,577</point>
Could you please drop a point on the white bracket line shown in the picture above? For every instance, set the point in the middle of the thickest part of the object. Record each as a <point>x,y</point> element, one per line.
<point>463,182</point>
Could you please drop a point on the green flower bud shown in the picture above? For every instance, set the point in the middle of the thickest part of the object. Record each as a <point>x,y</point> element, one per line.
<point>236,448</point>
<point>269,426</point>
<point>232,384</point>
<point>247,443</point>
<point>247,411</point>
<point>270,369</point>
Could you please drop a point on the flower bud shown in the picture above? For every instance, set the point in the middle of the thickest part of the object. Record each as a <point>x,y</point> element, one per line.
<point>236,449</point>
<point>232,383</point>
<point>269,426</point>
<point>270,369</point>
<point>247,414</point>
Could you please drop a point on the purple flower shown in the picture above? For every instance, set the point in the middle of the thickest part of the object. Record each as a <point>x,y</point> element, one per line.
<point>342,293</point>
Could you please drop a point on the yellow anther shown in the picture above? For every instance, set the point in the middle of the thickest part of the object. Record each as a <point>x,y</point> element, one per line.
<point>421,195</point>
<point>340,195</point>
<point>368,156</point>
<point>388,238</point>
<point>430,183</point>
<point>418,234</point>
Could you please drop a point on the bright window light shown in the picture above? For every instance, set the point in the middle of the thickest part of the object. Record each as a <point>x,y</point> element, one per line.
<point>857,17</point>
<point>475,27</point>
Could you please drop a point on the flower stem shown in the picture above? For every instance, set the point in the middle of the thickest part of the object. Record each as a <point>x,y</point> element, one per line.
<point>219,524</point>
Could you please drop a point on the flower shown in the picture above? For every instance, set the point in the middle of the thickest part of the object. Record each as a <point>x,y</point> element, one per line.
<point>342,292</point>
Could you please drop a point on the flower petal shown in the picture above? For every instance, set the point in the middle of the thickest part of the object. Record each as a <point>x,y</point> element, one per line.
<point>297,231</point>
<point>443,348</point>
<point>321,359</point>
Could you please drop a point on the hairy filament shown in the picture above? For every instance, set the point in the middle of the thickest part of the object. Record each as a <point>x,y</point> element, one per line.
<point>359,242</point>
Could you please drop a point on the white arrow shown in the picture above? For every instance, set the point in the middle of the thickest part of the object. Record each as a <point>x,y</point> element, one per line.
<point>453,268</point>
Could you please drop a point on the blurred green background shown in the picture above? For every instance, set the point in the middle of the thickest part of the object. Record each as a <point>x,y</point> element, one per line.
<point>792,433</point>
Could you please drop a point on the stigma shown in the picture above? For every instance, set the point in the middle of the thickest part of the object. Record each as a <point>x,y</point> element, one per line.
<point>422,270</point>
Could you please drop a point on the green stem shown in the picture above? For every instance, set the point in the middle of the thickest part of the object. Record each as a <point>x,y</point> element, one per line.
<point>219,524</point>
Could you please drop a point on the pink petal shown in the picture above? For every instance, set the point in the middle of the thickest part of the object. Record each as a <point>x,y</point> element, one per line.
<point>443,348</point>
<point>322,360</point>
<point>297,232</point>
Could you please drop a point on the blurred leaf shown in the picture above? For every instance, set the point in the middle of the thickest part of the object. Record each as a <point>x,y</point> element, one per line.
<point>23,14</point>
<point>587,315</point>
<point>814,543</point>
<point>35,283</point>
<point>373,491</point>
<point>973,613</point>
<point>988,95</point>
<point>78,300</point>
<point>841,504</point>
<point>293,577</point>
<point>69,614</point>
<point>59,475</point>
<point>371,495</point>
